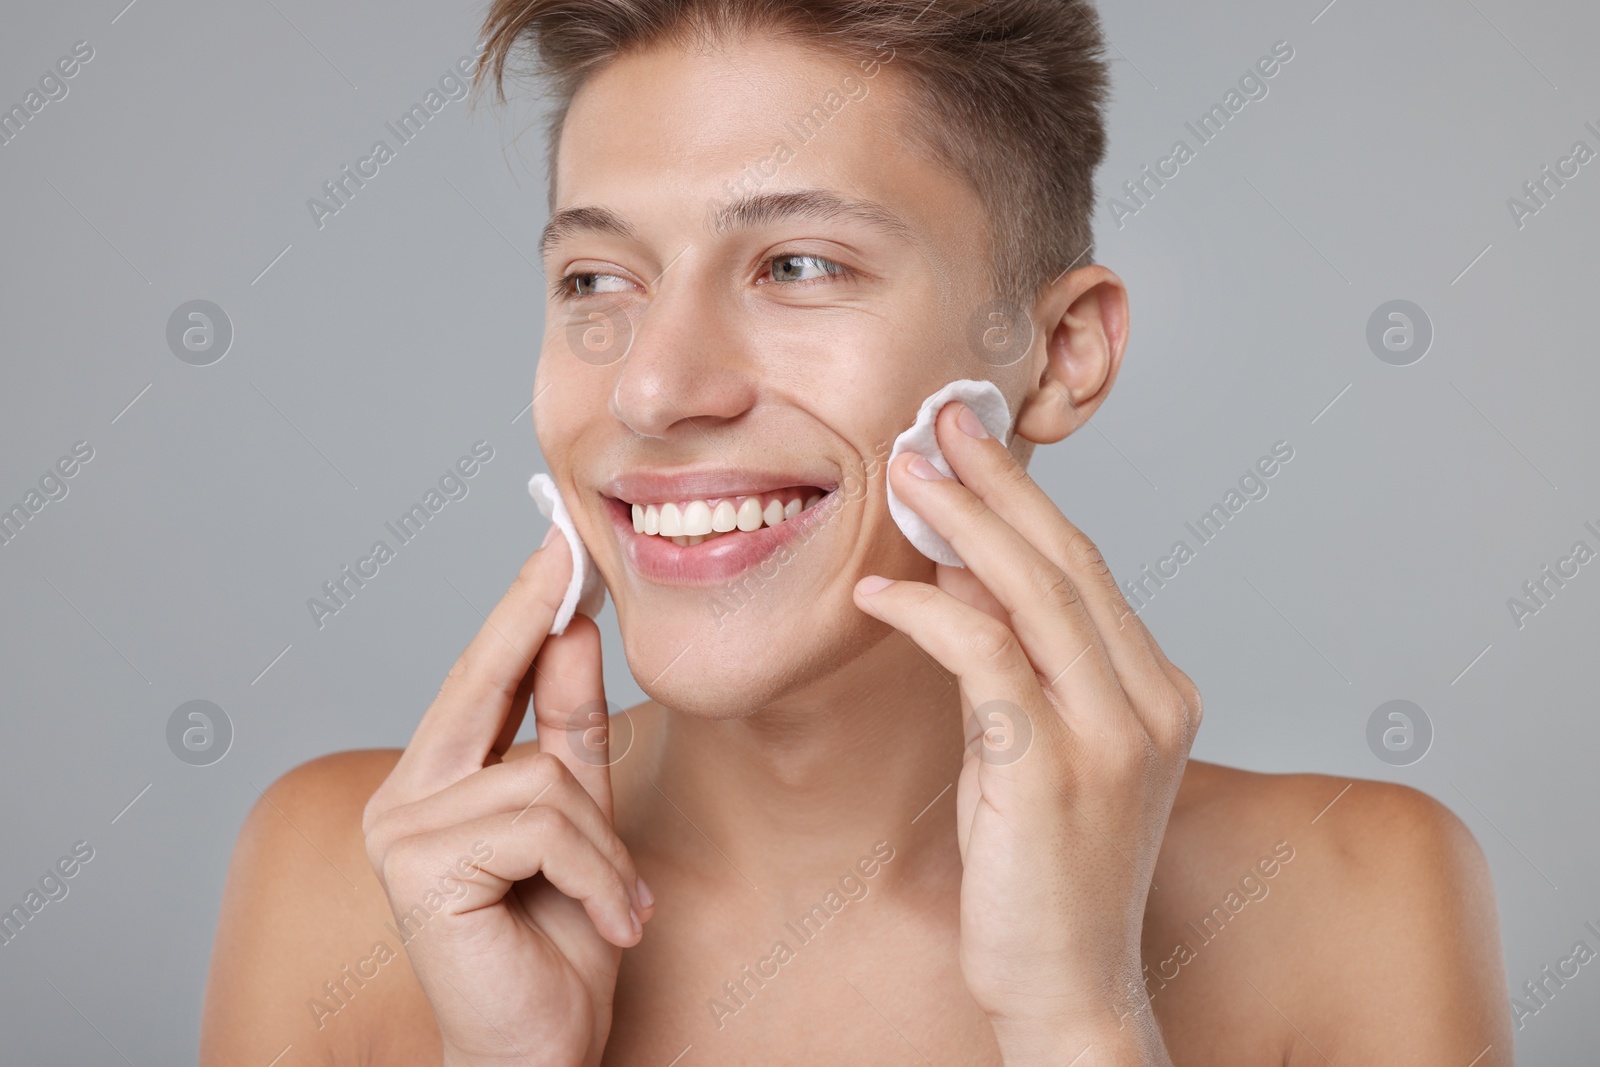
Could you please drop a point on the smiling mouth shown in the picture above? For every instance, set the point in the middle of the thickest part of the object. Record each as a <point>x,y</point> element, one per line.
<point>687,523</point>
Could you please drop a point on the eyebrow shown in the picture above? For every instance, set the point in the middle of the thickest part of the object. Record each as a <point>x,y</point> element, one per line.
<point>744,213</point>
<point>571,221</point>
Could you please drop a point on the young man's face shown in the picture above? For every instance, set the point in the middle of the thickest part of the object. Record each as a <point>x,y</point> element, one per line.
<point>784,347</point>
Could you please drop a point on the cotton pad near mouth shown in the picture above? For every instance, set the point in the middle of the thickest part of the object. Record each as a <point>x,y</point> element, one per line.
<point>585,590</point>
<point>986,402</point>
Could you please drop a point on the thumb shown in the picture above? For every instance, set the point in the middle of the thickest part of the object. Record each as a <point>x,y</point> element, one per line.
<point>569,705</point>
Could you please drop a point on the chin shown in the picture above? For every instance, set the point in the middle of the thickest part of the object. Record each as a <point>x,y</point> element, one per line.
<point>735,665</point>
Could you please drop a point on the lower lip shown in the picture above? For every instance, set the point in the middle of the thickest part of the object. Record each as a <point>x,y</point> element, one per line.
<point>720,559</point>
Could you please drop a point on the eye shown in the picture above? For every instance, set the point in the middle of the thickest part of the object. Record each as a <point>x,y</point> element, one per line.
<point>798,268</point>
<point>590,283</point>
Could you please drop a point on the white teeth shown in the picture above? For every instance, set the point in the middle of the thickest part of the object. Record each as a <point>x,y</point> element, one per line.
<point>696,518</point>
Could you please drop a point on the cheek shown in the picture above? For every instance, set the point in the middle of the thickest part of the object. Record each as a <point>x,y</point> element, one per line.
<point>566,395</point>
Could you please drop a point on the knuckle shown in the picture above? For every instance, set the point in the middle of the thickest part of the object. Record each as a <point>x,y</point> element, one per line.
<point>992,643</point>
<point>1011,474</point>
<point>402,862</point>
<point>544,822</point>
<point>380,840</point>
<point>1193,712</point>
<point>620,858</point>
<point>1137,757</point>
<point>969,505</point>
<point>1086,555</point>
<point>1057,590</point>
<point>544,770</point>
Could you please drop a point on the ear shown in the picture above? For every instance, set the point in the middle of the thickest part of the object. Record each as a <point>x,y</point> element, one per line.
<point>1084,317</point>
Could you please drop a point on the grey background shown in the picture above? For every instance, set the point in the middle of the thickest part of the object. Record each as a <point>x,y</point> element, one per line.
<point>376,350</point>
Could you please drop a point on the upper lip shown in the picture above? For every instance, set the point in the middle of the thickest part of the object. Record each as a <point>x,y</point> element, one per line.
<point>645,485</point>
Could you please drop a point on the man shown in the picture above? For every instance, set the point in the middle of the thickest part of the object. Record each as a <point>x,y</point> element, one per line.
<point>877,810</point>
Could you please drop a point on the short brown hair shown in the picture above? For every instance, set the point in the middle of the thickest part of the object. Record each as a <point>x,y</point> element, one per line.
<point>1007,94</point>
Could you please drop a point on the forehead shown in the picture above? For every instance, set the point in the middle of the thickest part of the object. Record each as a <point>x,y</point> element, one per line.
<point>756,114</point>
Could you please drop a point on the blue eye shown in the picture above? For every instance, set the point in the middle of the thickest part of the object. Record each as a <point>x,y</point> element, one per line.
<point>795,268</point>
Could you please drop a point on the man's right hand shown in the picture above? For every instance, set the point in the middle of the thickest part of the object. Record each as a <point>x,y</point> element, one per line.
<point>539,894</point>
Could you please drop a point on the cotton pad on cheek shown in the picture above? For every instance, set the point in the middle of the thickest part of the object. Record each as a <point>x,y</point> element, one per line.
<point>585,591</point>
<point>986,402</point>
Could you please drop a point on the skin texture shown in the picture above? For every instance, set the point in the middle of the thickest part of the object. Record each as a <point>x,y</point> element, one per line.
<point>1098,896</point>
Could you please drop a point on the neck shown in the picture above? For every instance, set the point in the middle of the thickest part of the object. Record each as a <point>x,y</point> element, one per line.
<point>809,783</point>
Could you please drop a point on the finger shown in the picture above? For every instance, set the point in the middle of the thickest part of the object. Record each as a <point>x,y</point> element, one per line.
<point>1004,487</point>
<point>497,855</point>
<point>478,698</point>
<point>510,789</point>
<point>569,704</point>
<point>1050,620</point>
<point>994,670</point>
<point>1163,697</point>
<point>989,470</point>
<point>962,584</point>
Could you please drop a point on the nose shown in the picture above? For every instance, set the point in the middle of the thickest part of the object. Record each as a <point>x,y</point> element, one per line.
<point>688,360</point>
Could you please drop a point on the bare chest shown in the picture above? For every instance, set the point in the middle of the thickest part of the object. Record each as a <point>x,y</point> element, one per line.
<point>855,988</point>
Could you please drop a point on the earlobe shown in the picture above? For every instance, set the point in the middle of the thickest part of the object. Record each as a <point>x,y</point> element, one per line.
<point>1082,353</point>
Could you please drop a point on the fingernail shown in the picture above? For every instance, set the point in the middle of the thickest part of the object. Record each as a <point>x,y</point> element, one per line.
<point>969,422</point>
<point>646,897</point>
<point>920,466</point>
<point>548,534</point>
<point>638,927</point>
<point>871,584</point>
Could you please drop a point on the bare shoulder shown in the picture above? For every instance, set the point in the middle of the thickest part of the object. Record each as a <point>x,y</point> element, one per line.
<point>1347,918</point>
<point>304,956</point>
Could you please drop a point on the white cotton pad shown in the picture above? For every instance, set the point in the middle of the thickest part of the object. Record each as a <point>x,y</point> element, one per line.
<point>986,402</point>
<point>585,591</point>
